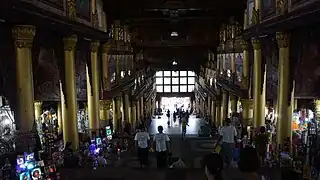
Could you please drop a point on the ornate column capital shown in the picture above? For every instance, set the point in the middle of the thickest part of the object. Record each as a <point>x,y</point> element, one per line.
<point>94,46</point>
<point>244,45</point>
<point>283,39</point>
<point>105,104</point>
<point>256,43</point>
<point>71,9</point>
<point>247,102</point>
<point>23,35</point>
<point>95,20</point>
<point>106,47</point>
<point>70,43</point>
<point>233,97</point>
<point>37,104</point>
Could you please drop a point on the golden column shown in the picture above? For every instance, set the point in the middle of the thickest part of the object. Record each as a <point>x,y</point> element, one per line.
<point>133,114</point>
<point>104,112</point>
<point>234,103</point>
<point>213,112</point>
<point>233,66</point>
<point>259,94</point>
<point>284,121</point>
<point>142,108</point>
<point>63,108</point>
<point>23,36</point>
<point>224,105</point>
<point>105,66</point>
<point>246,67</point>
<point>70,127</point>
<point>126,107</point>
<point>218,119</point>
<point>116,114</point>
<point>93,88</point>
<point>138,111</point>
<point>317,107</point>
<point>246,111</point>
<point>37,110</point>
<point>209,106</point>
<point>60,119</point>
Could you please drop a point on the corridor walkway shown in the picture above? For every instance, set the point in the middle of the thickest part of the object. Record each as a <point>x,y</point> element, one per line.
<point>175,128</point>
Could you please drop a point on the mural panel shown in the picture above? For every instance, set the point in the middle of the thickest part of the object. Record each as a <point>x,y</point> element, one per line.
<point>239,65</point>
<point>268,7</point>
<point>112,68</point>
<point>83,8</point>
<point>81,79</point>
<point>46,76</point>
<point>308,65</point>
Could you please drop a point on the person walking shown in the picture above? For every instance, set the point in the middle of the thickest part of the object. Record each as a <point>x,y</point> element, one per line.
<point>162,144</point>
<point>142,139</point>
<point>228,135</point>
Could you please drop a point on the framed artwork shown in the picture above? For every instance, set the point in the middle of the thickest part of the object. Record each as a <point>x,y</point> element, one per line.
<point>83,8</point>
<point>268,7</point>
<point>59,4</point>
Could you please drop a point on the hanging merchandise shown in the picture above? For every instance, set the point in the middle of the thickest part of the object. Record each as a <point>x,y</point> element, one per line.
<point>7,130</point>
<point>83,121</point>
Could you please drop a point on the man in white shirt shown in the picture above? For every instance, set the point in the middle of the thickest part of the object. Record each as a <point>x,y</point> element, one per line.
<point>161,141</point>
<point>228,135</point>
<point>142,142</point>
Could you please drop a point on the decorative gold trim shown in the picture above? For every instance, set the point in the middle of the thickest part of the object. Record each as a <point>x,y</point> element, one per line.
<point>23,35</point>
<point>283,39</point>
<point>282,6</point>
<point>244,45</point>
<point>247,102</point>
<point>255,17</point>
<point>95,20</point>
<point>37,104</point>
<point>94,46</point>
<point>70,43</point>
<point>71,9</point>
<point>244,82</point>
<point>256,43</point>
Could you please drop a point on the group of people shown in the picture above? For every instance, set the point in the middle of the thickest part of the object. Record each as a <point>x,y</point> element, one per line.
<point>160,143</point>
<point>229,138</point>
<point>248,163</point>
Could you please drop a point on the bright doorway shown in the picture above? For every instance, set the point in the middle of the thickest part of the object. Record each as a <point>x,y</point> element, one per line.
<point>172,103</point>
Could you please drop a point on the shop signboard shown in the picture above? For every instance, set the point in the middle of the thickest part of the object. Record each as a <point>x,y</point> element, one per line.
<point>109,132</point>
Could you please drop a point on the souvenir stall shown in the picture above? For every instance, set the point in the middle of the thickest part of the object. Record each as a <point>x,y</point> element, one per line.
<point>303,125</point>
<point>47,127</point>
<point>7,130</point>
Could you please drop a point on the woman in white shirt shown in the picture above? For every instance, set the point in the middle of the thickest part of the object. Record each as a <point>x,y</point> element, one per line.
<point>142,142</point>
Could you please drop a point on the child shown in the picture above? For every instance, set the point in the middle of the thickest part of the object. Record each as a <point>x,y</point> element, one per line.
<point>261,141</point>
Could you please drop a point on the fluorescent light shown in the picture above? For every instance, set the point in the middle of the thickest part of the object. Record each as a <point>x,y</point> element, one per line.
<point>174,63</point>
<point>174,34</point>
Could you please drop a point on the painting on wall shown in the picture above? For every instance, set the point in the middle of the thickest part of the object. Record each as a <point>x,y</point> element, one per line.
<point>83,8</point>
<point>308,66</point>
<point>46,76</point>
<point>59,4</point>
<point>81,76</point>
<point>239,65</point>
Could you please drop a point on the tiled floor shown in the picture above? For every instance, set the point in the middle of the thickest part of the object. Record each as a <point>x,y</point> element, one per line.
<point>175,128</point>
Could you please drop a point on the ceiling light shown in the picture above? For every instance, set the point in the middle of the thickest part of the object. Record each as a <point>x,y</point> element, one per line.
<point>174,63</point>
<point>174,34</point>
